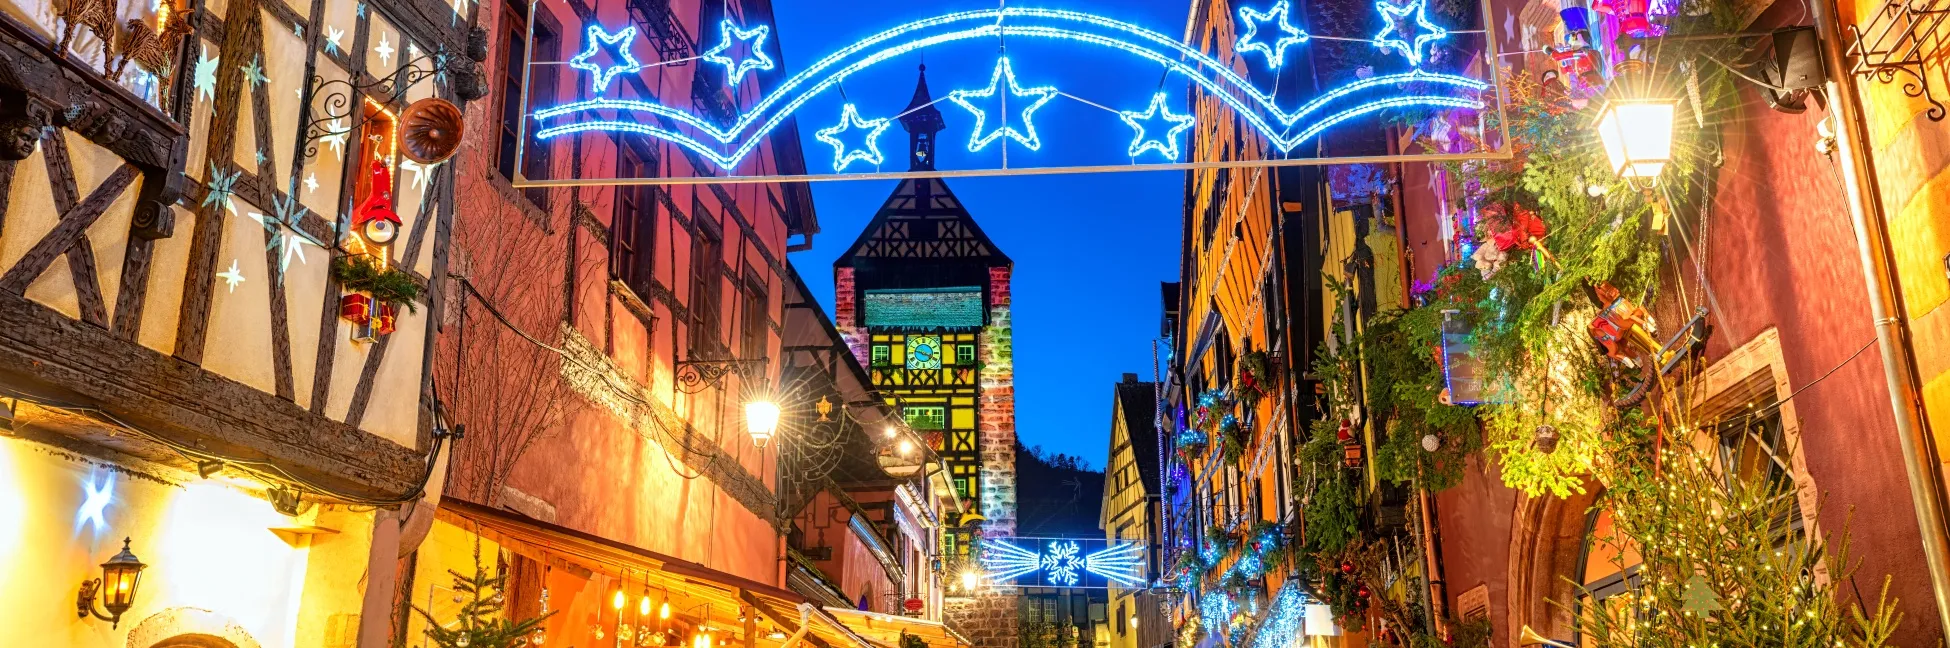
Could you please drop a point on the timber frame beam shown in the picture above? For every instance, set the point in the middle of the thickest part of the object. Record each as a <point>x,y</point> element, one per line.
<point>66,360</point>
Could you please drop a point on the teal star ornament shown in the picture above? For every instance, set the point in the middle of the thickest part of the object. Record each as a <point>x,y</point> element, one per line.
<point>624,62</point>
<point>1157,118</point>
<point>206,75</point>
<point>1279,18</point>
<point>1395,35</point>
<point>1028,99</point>
<point>755,58</point>
<point>850,120</point>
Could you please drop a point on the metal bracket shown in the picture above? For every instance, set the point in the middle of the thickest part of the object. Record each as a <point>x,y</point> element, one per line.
<point>695,375</point>
<point>1897,41</point>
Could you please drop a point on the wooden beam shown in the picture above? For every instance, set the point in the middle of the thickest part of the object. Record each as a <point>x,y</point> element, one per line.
<point>45,353</point>
<point>74,224</point>
<point>241,36</point>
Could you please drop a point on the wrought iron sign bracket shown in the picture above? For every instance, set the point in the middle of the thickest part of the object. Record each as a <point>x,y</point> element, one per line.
<point>695,375</point>
<point>340,100</point>
<point>1898,40</point>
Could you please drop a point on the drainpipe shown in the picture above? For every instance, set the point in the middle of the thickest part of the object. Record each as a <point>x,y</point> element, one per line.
<point>1871,238</point>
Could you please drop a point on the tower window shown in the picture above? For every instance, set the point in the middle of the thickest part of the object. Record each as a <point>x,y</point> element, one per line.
<point>880,356</point>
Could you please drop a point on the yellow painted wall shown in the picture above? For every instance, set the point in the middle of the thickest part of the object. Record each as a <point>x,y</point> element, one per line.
<point>1125,508</point>
<point>207,545</point>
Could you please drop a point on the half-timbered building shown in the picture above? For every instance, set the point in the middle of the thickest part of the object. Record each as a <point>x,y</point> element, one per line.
<point>922,297</point>
<point>223,228</point>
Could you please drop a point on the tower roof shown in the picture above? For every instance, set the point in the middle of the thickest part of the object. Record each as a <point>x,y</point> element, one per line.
<point>920,113</point>
<point>923,220</point>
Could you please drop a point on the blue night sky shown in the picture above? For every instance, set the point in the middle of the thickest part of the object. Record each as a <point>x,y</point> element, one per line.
<point>1089,249</point>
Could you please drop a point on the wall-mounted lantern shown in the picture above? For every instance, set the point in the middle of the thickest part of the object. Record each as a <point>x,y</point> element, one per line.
<point>117,586</point>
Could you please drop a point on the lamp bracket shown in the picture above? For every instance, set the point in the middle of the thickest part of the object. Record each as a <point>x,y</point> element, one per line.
<point>1900,37</point>
<point>85,603</point>
<point>695,375</point>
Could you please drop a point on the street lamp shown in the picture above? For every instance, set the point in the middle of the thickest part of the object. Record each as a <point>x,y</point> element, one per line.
<point>970,580</point>
<point>762,420</point>
<point>120,576</point>
<point>1637,134</point>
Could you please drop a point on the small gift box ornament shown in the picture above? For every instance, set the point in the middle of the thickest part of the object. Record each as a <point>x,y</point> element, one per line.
<point>355,308</point>
<point>384,320</point>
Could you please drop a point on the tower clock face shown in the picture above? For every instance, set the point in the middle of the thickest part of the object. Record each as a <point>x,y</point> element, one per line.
<point>924,352</point>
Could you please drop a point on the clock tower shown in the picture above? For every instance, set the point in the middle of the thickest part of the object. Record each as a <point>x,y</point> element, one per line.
<point>923,302</point>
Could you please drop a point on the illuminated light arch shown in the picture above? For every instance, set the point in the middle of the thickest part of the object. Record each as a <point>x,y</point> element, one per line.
<point>1251,40</point>
<point>850,119</point>
<point>727,146</point>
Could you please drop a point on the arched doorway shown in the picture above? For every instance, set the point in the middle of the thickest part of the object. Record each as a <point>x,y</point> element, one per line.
<point>1546,556</point>
<point>188,627</point>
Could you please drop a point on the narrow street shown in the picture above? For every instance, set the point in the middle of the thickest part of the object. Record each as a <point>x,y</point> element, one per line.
<point>974,324</point>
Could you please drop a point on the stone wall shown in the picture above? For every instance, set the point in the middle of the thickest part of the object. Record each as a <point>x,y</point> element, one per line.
<point>997,423</point>
<point>988,621</point>
<point>846,314</point>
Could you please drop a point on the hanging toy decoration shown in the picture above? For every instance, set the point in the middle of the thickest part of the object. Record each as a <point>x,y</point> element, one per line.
<point>374,219</point>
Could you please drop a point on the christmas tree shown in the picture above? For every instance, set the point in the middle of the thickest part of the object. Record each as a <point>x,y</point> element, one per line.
<point>1726,564</point>
<point>480,623</point>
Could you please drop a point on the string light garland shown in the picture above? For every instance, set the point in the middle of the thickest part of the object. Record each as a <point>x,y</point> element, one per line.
<point>626,63</point>
<point>726,146</point>
<point>1035,97</point>
<point>1251,41</point>
<point>850,120</point>
<point>1166,146</point>
<point>730,34</point>
<point>1005,562</point>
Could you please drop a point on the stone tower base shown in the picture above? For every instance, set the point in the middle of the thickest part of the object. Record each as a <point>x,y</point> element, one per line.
<point>988,621</point>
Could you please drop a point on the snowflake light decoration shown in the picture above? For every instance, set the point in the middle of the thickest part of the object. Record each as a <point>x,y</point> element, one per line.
<point>1062,562</point>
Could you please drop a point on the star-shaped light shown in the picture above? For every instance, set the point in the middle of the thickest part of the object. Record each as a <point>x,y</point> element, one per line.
<point>1251,40</point>
<point>221,185</point>
<point>289,214</point>
<point>384,50</point>
<point>412,51</point>
<point>206,76</point>
<point>95,503</point>
<point>260,159</point>
<point>1145,123</point>
<point>421,172</point>
<point>335,136</point>
<point>311,182</point>
<point>850,120</point>
<point>254,73</point>
<point>359,10</point>
<point>1394,35</point>
<point>755,58</point>
<point>332,37</point>
<point>299,31</point>
<point>232,277</point>
<point>625,62</point>
<point>1030,99</point>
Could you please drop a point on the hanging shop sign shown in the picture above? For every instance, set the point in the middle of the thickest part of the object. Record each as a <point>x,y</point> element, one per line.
<point>1092,563</point>
<point>1003,77</point>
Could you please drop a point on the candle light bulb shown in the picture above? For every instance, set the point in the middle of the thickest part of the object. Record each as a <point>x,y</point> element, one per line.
<point>663,611</point>
<point>616,601</point>
<point>643,606</point>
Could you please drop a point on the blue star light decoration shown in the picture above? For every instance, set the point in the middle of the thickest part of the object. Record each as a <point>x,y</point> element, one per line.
<point>755,58</point>
<point>1399,27</point>
<point>1122,563</point>
<point>1062,564</point>
<point>95,503</point>
<point>1147,123</point>
<point>1251,40</point>
<point>623,62</point>
<point>850,120</point>
<point>1029,100</point>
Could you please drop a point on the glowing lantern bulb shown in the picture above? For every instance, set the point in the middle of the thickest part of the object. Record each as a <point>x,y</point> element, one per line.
<point>663,611</point>
<point>616,601</point>
<point>643,606</point>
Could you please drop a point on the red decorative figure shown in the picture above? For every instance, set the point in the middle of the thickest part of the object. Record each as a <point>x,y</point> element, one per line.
<point>374,219</point>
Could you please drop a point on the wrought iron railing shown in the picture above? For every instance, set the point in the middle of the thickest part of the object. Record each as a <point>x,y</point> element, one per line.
<point>1899,43</point>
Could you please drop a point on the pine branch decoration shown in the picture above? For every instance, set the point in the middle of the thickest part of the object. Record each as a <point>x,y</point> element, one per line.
<point>480,622</point>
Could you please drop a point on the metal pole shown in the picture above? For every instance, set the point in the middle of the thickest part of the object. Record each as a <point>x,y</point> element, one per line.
<point>1871,238</point>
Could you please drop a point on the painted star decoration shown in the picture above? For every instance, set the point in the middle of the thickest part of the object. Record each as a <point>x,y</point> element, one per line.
<point>359,10</point>
<point>254,73</point>
<point>221,187</point>
<point>289,214</point>
<point>311,182</point>
<point>1255,21</point>
<point>332,37</point>
<point>232,277</point>
<point>206,76</point>
<point>421,172</point>
<point>755,58</point>
<point>623,61</point>
<point>1027,99</point>
<point>299,31</point>
<point>1155,119</point>
<point>384,50</point>
<point>335,136</point>
<point>1395,36</point>
<point>850,120</point>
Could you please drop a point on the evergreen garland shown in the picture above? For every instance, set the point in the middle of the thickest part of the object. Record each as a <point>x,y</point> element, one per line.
<point>363,273</point>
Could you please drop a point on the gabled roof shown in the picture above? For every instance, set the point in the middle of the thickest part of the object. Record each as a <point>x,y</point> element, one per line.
<point>923,220</point>
<point>1137,403</point>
